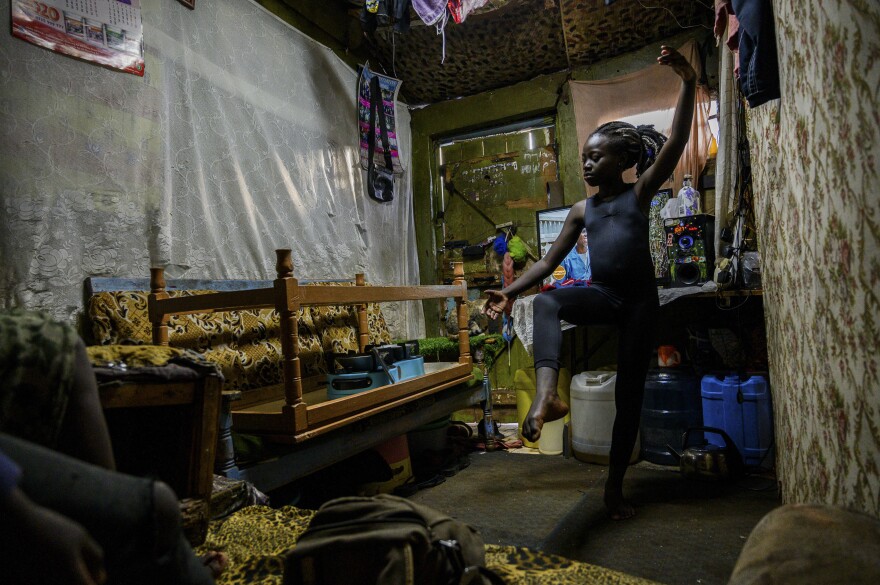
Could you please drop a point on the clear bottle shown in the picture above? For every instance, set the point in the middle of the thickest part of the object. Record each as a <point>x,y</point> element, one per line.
<point>688,198</point>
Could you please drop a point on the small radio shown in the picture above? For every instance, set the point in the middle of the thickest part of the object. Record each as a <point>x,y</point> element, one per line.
<point>690,246</point>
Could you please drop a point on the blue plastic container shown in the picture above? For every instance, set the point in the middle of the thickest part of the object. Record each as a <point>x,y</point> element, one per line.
<point>671,406</point>
<point>740,406</point>
<point>339,385</point>
<point>408,368</point>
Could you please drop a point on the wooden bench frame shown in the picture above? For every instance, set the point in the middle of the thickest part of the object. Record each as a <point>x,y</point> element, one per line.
<point>281,412</point>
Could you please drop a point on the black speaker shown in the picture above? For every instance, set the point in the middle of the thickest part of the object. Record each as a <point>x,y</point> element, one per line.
<point>690,245</point>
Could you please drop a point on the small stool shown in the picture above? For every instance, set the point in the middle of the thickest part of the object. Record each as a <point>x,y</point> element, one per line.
<point>164,423</point>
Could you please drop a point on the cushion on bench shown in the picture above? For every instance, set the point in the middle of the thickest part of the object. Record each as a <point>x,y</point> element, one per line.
<point>244,344</point>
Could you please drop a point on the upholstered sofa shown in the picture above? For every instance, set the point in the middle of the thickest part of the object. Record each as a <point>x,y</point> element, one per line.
<point>271,340</point>
<point>244,344</point>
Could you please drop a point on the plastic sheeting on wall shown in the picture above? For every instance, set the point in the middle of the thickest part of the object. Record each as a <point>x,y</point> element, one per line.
<point>240,139</point>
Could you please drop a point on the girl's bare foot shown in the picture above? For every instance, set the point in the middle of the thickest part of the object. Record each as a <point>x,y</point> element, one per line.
<point>545,408</point>
<point>617,507</point>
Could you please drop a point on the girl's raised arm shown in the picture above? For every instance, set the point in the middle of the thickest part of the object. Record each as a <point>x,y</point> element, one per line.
<point>565,241</point>
<point>669,155</point>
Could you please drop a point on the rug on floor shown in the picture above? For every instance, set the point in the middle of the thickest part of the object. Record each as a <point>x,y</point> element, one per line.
<point>255,539</point>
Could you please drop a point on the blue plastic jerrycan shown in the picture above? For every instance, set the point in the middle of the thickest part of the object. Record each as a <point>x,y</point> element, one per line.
<point>741,406</point>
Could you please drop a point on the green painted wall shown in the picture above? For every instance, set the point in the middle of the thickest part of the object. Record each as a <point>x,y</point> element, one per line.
<point>547,94</point>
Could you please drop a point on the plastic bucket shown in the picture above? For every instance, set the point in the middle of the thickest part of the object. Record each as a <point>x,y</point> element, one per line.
<point>339,385</point>
<point>592,417</point>
<point>395,452</point>
<point>671,406</point>
<point>552,437</point>
<point>408,368</point>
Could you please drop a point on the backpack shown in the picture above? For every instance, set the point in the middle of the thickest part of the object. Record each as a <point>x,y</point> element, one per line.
<point>386,540</point>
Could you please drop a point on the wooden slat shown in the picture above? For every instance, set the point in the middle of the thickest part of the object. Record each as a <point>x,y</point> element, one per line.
<point>269,422</point>
<point>326,426</point>
<point>96,284</point>
<point>275,392</point>
<point>334,409</point>
<point>263,298</point>
<point>138,395</point>
<point>205,430</point>
<point>264,423</point>
<point>351,295</point>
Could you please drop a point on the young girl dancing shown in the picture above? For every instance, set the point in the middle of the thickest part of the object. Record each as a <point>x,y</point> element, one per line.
<point>623,290</point>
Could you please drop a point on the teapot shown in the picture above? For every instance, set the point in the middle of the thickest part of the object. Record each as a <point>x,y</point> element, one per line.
<point>708,461</point>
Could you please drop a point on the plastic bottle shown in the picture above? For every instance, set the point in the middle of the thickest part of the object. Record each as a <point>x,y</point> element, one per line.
<point>688,198</point>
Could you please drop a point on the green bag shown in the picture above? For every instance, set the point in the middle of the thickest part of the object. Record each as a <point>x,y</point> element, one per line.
<point>386,540</point>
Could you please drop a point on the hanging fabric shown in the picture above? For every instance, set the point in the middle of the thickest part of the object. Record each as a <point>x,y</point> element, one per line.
<point>647,96</point>
<point>388,88</point>
<point>434,12</point>
<point>430,11</point>
<point>380,180</point>
<point>459,9</point>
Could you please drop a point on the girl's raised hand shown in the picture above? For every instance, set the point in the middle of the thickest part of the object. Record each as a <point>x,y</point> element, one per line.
<point>672,58</point>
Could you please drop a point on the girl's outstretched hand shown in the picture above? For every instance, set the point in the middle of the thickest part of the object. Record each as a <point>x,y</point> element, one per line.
<point>495,303</point>
<point>671,57</point>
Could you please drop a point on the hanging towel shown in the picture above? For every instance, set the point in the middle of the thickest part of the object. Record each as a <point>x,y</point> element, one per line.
<point>430,11</point>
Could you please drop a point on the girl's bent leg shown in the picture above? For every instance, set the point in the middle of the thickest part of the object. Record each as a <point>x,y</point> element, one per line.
<point>578,305</point>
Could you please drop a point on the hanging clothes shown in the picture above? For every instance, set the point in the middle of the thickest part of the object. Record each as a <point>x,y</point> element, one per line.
<point>376,13</point>
<point>434,12</point>
<point>758,61</point>
<point>430,11</point>
<point>463,8</point>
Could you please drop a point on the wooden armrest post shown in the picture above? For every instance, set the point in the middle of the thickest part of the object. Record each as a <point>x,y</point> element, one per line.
<point>461,308</point>
<point>287,304</point>
<point>158,318</point>
<point>363,326</point>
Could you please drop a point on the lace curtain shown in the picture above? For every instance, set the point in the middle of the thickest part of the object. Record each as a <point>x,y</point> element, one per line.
<point>241,138</point>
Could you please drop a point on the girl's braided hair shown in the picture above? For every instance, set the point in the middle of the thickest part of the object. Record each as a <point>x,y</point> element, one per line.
<point>639,144</point>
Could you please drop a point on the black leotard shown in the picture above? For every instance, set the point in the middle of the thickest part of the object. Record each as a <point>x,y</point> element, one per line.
<point>623,292</point>
<point>620,258</point>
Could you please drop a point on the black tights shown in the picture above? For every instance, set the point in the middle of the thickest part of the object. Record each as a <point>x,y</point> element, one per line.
<point>635,319</point>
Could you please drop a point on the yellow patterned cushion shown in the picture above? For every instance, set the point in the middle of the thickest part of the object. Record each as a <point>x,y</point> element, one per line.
<point>338,325</point>
<point>245,344</point>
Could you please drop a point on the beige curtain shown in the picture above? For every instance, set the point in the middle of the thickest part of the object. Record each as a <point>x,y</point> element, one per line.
<point>649,96</point>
